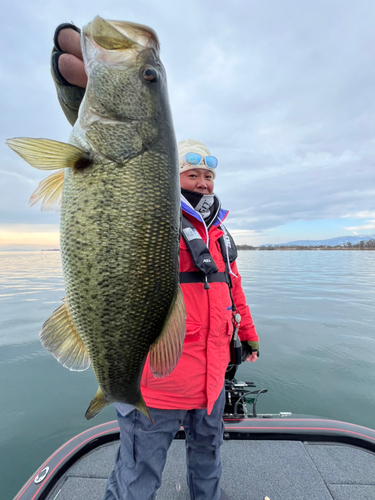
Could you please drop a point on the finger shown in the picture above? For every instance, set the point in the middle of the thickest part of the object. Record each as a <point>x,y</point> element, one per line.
<point>72,69</point>
<point>69,42</point>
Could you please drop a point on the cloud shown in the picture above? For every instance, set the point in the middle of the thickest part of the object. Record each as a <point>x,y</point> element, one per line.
<point>369,225</point>
<point>26,235</point>
<point>365,214</point>
<point>281,92</point>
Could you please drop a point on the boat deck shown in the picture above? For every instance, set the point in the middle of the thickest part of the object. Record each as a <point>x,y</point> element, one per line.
<point>252,469</point>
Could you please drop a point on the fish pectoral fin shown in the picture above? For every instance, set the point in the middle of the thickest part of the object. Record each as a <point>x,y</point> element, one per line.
<point>61,338</point>
<point>166,350</point>
<point>97,404</point>
<point>50,189</point>
<point>46,154</point>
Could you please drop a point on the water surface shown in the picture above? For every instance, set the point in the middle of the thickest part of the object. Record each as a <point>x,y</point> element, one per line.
<point>314,312</point>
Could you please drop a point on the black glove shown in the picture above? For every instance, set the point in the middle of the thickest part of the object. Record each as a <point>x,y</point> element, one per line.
<point>248,347</point>
<point>70,96</point>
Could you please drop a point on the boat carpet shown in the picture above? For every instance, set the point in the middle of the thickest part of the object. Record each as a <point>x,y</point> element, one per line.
<point>281,470</point>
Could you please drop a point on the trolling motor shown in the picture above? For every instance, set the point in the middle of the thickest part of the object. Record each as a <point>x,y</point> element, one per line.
<point>238,395</point>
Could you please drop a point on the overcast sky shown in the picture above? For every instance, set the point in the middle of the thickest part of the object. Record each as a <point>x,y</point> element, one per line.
<point>281,91</point>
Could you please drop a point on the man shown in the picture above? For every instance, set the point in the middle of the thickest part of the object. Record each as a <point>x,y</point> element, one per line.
<point>193,395</point>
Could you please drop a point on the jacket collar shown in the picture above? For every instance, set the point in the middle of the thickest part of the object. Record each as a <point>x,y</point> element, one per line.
<point>188,209</point>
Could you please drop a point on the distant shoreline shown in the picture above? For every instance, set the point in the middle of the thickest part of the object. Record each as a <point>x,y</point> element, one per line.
<point>292,248</point>
<point>20,250</point>
<point>248,247</point>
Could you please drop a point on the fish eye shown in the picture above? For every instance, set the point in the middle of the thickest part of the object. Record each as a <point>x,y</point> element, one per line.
<point>149,74</point>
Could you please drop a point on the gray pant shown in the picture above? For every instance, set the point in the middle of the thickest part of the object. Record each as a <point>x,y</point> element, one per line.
<point>143,451</point>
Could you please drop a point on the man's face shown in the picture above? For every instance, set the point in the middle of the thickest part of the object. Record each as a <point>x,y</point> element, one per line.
<point>198,180</point>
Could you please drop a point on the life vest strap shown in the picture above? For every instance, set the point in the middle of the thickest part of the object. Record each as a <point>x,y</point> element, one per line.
<point>199,277</point>
<point>199,252</point>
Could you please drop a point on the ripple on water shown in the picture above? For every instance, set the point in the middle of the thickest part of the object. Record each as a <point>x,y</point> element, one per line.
<point>314,312</point>
<point>31,285</point>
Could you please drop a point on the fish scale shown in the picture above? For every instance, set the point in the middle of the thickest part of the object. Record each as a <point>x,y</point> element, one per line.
<point>129,287</point>
<point>120,218</point>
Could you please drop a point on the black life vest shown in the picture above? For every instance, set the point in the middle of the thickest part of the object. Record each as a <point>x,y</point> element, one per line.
<point>208,270</point>
<point>209,273</point>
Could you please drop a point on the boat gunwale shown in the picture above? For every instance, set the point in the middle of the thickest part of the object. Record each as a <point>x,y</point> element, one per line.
<point>65,456</point>
<point>262,428</point>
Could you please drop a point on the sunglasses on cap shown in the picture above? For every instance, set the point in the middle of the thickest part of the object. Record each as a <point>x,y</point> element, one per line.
<point>196,159</point>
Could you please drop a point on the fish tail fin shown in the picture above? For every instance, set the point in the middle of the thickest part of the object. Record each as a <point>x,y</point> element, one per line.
<point>141,406</point>
<point>97,404</point>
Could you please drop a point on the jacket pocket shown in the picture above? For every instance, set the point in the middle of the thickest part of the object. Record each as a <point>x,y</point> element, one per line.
<point>192,332</point>
<point>227,333</point>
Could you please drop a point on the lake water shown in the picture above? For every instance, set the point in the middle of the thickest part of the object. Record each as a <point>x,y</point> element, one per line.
<point>314,312</point>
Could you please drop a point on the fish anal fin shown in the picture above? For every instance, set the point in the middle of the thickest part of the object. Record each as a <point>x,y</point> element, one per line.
<point>97,404</point>
<point>166,350</point>
<point>50,189</point>
<point>46,154</point>
<point>61,338</point>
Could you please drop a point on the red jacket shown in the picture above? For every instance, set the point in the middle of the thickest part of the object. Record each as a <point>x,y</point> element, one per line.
<point>198,378</point>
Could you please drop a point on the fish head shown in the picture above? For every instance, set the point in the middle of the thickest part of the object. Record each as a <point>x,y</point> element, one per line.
<point>126,84</point>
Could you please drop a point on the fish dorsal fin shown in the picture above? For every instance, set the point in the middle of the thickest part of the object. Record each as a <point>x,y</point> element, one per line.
<point>50,189</point>
<point>61,338</point>
<point>46,154</point>
<point>166,350</point>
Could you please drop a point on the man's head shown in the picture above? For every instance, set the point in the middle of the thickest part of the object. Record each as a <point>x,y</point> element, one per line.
<point>197,167</point>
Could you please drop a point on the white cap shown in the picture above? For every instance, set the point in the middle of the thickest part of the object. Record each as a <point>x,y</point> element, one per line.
<point>193,146</point>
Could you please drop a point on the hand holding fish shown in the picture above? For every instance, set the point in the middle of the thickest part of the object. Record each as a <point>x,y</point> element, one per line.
<point>69,59</point>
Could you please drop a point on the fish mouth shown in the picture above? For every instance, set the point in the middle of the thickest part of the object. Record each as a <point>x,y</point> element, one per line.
<point>121,35</point>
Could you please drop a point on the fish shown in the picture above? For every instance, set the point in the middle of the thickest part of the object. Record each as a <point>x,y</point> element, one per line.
<point>117,187</point>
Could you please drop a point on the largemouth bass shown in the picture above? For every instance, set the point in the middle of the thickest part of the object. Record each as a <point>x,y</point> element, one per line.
<point>118,183</point>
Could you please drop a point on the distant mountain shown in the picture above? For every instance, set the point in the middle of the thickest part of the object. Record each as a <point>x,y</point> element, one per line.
<point>332,242</point>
